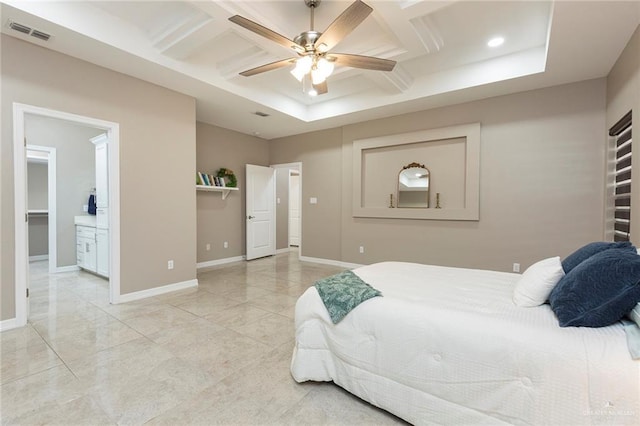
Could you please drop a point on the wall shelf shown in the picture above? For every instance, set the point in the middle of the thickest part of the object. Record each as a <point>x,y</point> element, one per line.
<point>225,190</point>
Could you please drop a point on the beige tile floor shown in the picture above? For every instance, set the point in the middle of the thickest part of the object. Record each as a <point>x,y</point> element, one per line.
<point>216,355</point>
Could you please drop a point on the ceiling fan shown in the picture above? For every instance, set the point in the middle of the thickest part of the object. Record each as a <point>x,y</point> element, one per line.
<point>314,62</point>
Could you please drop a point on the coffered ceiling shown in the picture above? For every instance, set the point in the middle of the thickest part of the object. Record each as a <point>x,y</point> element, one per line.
<point>440,48</point>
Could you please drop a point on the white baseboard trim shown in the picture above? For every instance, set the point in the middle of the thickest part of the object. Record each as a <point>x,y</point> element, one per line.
<point>219,262</point>
<point>71,268</point>
<point>330,262</point>
<point>38,257</point>
<point>156,291</point>
<point>8,324</point>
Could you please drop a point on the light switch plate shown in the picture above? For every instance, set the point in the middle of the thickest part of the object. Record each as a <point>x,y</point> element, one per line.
<point>313,200</point>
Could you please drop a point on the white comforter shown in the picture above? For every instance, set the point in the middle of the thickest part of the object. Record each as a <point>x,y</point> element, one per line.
<point>448,346</point>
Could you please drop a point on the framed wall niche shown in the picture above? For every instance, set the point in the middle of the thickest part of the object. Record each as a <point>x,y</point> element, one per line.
<point>452,155</point>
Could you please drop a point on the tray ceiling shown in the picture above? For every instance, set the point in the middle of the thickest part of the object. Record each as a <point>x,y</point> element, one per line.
<point>440,46</point>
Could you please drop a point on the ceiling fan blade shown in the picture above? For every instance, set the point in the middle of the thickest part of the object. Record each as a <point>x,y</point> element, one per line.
<point>366,62</point>
<point>321,88</point>
<point>268,67</point>
<point>265,32</point>
<point>343,25</point>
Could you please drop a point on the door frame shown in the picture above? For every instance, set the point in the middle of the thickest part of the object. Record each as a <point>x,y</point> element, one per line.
<point>21,264</point>
<point>296,173</point>
<point>294,166</point>
<point>51,203</point>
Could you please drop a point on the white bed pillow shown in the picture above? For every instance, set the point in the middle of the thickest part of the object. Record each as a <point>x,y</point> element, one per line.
<point>535,284</point>
<point>635,314</point>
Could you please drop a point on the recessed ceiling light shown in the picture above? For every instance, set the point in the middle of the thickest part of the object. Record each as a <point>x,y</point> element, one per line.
<point>313,92</point>
<point>495,42</point>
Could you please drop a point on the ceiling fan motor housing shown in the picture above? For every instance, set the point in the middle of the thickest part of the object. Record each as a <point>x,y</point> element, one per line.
<point>307,40</point>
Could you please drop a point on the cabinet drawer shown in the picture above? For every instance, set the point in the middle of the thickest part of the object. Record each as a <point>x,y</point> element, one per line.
<point>85,232</point>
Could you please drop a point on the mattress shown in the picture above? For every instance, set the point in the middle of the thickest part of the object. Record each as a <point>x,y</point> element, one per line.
<point>448,346</point>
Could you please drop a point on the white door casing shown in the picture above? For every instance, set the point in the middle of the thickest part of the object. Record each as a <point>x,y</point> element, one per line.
<point>260,211</point>
<point>20,209</point>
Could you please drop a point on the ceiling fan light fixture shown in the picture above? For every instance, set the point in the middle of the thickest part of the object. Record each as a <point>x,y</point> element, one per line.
<point>302,68</point>
<point>325,66</point>
<point>317,76</point>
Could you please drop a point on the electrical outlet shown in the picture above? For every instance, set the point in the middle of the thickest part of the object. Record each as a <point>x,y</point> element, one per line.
<point>170,264</point>
<point>361,249</point>
<point>85,208</point>
<point>208,247</point>
<point>516,267</point>
<point>226,244</point>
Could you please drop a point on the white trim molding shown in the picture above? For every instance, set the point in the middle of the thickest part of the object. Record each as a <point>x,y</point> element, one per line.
<point>330,262</point>
<point>38,258</point>
<point>157,291</point>
<point>471,210</point>
<point>52,218</point>
<point>217,262</point>
<point>9,324</point>
<point>20,202</point>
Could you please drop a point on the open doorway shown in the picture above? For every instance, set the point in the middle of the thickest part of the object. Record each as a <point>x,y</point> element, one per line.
<point>68,192</point>
<point>289,207</point>
<point>295,209</point>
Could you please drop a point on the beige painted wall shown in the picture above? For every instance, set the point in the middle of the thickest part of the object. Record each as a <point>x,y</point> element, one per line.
<point>623,95</point>
<point>541,183</point>
<point>321,157</point>
<point>157,151</point>
<point>224,220</point>
<point>75,174</point>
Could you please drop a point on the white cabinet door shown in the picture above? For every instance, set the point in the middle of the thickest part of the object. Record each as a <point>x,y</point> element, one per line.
<point>102,171</point>
<point>102,244</point>
<point>86,247</point>
<point>90,258</point>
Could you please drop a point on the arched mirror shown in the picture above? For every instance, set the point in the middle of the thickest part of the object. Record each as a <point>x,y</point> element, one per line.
<point>413,186</point>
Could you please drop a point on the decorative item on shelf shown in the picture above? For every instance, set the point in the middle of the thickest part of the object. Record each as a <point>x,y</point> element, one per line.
<point>438,200</point>
<point>391,201</point>
<point>228,176</point>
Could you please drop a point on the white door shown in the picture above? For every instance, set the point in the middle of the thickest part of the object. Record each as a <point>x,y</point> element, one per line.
<point>294,210</point>
<point>261,211</point>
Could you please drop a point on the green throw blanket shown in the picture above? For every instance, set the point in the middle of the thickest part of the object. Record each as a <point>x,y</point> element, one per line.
<point>343,292</point>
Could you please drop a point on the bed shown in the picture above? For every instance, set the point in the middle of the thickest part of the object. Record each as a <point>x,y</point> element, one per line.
<point>448,346</point>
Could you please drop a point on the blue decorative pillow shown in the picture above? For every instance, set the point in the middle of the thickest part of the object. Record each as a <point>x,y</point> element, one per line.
<point>599,291</point>
<point>585,252</point>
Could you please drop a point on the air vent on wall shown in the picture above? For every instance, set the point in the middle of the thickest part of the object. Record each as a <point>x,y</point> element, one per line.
<point>19,27</point>
<point>30,31</point>
<point>40,35</point>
